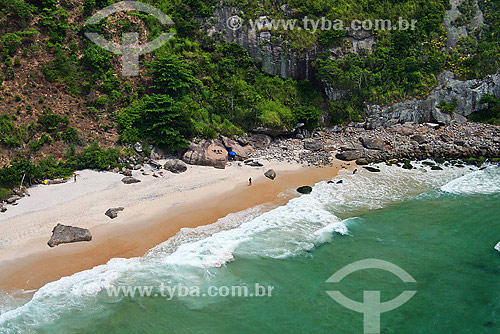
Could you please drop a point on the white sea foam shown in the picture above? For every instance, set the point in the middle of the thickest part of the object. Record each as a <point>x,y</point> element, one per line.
<point>486,181</point>
<point>191,256</point>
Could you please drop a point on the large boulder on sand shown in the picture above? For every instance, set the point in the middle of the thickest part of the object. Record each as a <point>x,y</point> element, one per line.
<point>242,151</point>
<point>175,166</point>
<point>62,234</point>
<point>210,152</point>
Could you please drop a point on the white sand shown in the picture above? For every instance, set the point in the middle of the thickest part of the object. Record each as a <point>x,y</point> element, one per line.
<point>27,227</point>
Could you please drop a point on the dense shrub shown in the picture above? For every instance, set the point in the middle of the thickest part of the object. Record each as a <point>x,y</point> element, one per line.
<point>158,118</point>
<point>51,122</point>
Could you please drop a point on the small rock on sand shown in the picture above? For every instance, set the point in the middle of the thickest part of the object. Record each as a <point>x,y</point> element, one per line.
<point>130,180</point>
<point>113,212</point>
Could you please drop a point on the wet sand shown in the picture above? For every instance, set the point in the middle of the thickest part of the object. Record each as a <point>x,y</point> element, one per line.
<point>166,216</point>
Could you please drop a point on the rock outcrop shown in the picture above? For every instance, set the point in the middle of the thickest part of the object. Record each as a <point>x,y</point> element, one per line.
<point>209,152</point>
<point>62,234</point>
<point>274,56</point>
<point>463,95</point>
<point>242,151</point>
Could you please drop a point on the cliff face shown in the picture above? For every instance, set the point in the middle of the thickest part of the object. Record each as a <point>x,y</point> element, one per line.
<point>277,58</point>
<point>463,95</point>
<point>273,55</point>
<point>274,58</point>
<point>455,31</point>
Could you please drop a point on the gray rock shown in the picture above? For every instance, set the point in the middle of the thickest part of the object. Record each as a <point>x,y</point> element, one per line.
<point>113,212</point>
<point>155,164</point>
<point>270,174</point>
<point>349,155</point>
<point>175,166</point>
<point>372,143</point>
<point>372,169</point>
<point>243,141</point>
<point>465,95</point>
<point>138,147</point>
<point>361,162</point>
<point>130,180</point>
<point>242,152</point>
<point>441,117</point>
<point>157,153</point>
<point>13,199</point>
<point>260,141</point>
<point>419,139</point>
<point>254,164</point>
<point>127,172</point>
<point>62,234</point>
<point>313,145</point>
<point>273,132</point>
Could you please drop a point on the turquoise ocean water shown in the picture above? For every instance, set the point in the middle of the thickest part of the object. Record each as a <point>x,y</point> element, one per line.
<point>439,226</point>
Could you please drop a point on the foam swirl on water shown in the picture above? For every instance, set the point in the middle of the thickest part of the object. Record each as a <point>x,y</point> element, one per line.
<point>486,181</point>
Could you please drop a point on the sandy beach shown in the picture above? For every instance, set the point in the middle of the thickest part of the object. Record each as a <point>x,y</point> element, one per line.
<point>155,209</point>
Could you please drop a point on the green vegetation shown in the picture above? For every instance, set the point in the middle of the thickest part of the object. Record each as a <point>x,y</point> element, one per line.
<point>446,107</point>
<point>491,114</point>
<point>197,86</point>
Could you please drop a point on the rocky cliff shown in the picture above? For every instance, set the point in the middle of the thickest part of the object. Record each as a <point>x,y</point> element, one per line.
<point>464,96</point>
<point>273,54</point>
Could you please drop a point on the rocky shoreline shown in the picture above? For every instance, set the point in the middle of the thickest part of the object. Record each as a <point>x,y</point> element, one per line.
<point>409,141</point>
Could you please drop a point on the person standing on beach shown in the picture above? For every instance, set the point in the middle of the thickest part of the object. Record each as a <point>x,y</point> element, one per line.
<point>75,178</point>
<point>250,181</point>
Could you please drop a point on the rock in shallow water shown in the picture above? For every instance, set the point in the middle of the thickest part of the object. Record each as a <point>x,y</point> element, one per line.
<point>349,155</point>
<point>62,234</point>
<point>304,190</point>
<point>372,169</point>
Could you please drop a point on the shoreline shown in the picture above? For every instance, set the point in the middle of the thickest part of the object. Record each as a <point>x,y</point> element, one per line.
<point>32,264</point>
